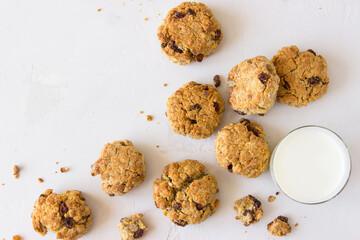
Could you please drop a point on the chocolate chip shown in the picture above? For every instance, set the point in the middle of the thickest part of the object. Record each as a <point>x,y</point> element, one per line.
<point>312,51</point>
<point>180,222</point>
<point>69,222</point>
<point>193,121</point>
<point>263,77</point>
<point>163,45</point>
<point>176,206</point>
<point>217,107</point>
<point>206,88</point>
<point>156,204</point>
<point>286,85</point>
<point>253,130</point>
<point>282,218</point>
<point>199,57</point>
<point>261,114</point>
<point>122,144</point>
<point>111,194</point>
<point>217,34</point>
<point>240,112</point>
<point>63,208</point>
<point>42,195</point>
<point>179,15</point>
<point>195,106</point>
<point>277,193</point>
<point>191,12</point>
<point>230,168</point>
<point>314,80</point>
<point>257,203</point>
<point>245,121</point>
<point>217,80</point>
<point>199,206</point>
<point>139,233</point>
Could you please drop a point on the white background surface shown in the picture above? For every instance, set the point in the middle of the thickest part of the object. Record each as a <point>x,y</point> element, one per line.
<point>73,79</point>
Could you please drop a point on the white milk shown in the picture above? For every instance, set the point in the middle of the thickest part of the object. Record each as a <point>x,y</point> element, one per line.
<point>311,164</point>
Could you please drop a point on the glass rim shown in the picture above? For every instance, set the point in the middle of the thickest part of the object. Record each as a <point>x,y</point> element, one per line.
<point>272,163</point>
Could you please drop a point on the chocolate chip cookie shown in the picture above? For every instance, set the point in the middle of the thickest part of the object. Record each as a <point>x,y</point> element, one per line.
<point>303,76</point>
<point>241,148</point>
<point>279,227</point>
<point>132,228</point>
<point>248,210</point>
<point>121,167</point>
<point>190,32</point>
<point>195,109</point>
<point>254,85</point>
<point>185,193</point>
<point>66,214</point>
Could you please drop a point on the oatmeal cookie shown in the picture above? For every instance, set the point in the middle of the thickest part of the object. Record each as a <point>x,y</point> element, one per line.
<point>121,166</point>
<point>241,148</point>
<point>132,228</point>
<point>303,76</point>
<point>279,227</point>
<point>254,85</point>
<point>195,109</point>
<point>190,32</point>
<point>66,214</point>
<point>248,210</point>
<point>185,193</point>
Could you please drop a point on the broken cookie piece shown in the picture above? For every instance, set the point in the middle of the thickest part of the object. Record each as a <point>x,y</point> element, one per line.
<point>279,227</point>
<point>132,228</point>
<point>248,210</point>
<point>16,170</point>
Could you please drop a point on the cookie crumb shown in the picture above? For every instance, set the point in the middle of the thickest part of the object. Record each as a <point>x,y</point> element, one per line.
<point>64,169</point>
<point>149,118</point>
<point>217,80</point>
<point>40,180</point>
<point>245,231</point>
<point>141,112</point>
<point>165,84</point>
<point>57,163</point>
<point>146,19</point>
<point>271,198</point>
<point>16,171</point>
<point>16,237</point>
<point>3,184</point>
<point>296,224</point>
<point>55,171</point>
<point>99,10</point>
<point>157,146</point>
<point>277,193</point>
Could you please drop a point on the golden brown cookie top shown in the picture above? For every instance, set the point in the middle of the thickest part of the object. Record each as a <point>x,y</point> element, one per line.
<point>248,210</point>
<point>195,109</point>
<point>132,227</point>
<point>241,148</point>
<point>303,76</point>
<point>254,85</point>
<point>189,33</point>
<point>66,214</point>
<point>279,227</point>
<point>185,193</point>
<point>121,166</point>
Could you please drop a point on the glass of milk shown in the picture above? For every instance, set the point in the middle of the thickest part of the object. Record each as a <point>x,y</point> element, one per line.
<point>311,164</point>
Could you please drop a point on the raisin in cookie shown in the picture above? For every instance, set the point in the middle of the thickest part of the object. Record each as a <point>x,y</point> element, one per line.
<point>241,148</point>
<point>190,32</point>
<point>303,76</point>
<point>185,193</point>
<point>132,228</point>
<point>279,227</point>
<point>195,109</point>
<point>254,84</point>
<point>66,214</point>
<point>248,210</point>
<point>121,166</point>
